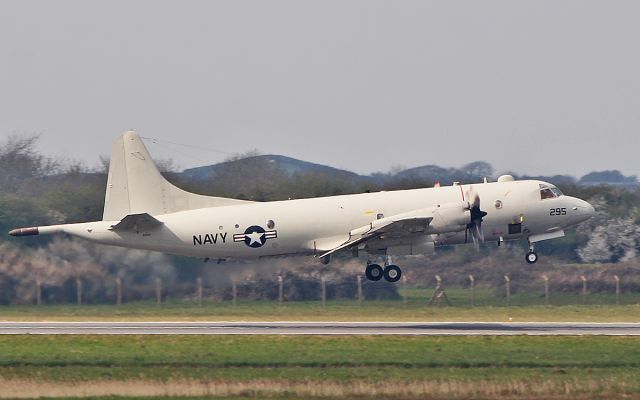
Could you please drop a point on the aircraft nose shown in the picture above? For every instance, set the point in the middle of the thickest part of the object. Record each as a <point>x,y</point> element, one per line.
<point>583,211</point>
<point>590,210</point>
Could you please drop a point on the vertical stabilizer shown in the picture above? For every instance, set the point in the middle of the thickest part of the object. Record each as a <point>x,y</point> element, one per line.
<point>135,185</point>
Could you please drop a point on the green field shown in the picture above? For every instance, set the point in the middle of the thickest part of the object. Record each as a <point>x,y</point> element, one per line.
<point>346,310</point>
<point>323,367</point>
<point>488,305</point>
<point>292,367</point>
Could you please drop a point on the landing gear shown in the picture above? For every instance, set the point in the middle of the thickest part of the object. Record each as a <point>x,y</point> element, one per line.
<point>391,273</point>
<point>531,256</point>
<point>374,272</point>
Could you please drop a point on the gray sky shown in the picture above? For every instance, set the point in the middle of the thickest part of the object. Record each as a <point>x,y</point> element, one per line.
<point>539,87</point>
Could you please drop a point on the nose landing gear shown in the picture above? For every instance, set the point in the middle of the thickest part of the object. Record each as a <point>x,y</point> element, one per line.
<point>391,273</point>
<point>531,257</point>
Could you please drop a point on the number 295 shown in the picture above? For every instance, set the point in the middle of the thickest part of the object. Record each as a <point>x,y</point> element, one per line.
<point>557,211</point>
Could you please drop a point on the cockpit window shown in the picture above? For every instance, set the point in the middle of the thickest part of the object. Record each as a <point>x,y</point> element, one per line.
<point>549,192</point>
<point>556,191</point>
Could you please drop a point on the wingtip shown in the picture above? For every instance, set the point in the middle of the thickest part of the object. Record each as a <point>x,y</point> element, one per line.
<point>25,231</point>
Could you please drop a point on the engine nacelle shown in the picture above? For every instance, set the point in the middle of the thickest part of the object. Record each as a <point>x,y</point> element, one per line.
<point>453,217</point>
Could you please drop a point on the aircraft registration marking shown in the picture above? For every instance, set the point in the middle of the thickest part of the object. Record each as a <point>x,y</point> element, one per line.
<point>210,238</point>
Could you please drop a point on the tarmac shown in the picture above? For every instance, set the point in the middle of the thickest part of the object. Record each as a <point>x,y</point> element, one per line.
<point>320,328</point>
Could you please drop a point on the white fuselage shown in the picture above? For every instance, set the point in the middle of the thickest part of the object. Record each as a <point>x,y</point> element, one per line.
<point>311,226</point>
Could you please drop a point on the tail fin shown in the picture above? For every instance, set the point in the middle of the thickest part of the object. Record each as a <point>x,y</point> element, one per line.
<point>135,185</point>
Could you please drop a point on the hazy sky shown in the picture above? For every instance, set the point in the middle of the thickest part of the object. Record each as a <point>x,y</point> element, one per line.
<point>539,87</point>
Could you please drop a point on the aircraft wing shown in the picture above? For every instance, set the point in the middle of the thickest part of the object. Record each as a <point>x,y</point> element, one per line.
<point>391,227</point>
<point>136,222</point>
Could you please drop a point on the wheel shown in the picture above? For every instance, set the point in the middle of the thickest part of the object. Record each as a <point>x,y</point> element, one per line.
<point>392,273</point>
<point>531,257</point>
<point>374,272</point>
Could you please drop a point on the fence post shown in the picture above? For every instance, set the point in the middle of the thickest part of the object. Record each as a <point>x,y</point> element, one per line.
<point>280,290</point>
<point>359,279</point>
<point>617,278</point>
<point>38,292</point>
<point>78,291</point>
<point>507,282</point>
<point>584,289</point>
<point>404,290</point>
<point>472,294</point>
<point>158,291</point>
<point>199,283</point>
<point>118,290</point>
<point>234,292</point>
<point>324,291</point>
<point>438,294</point>
<point>546,289</point>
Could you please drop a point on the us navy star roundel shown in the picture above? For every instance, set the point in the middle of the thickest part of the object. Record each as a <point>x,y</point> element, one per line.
<point>255,236</point>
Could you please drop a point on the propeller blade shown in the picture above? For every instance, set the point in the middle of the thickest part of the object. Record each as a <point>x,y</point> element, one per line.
<point>476,243</point>
<point>479,231</point>
<point>474,228</point>
<point>476,201</point>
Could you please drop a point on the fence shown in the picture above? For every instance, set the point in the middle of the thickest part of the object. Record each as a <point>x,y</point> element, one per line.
<point>361,290</point>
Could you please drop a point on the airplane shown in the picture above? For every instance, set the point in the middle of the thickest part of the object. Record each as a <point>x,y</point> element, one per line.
<point>142,210</point>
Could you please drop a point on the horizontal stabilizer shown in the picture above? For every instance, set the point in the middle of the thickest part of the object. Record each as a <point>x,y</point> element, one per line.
<point>136,222</point>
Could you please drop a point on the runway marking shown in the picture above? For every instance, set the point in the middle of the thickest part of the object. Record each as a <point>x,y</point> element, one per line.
<point>319,328</point>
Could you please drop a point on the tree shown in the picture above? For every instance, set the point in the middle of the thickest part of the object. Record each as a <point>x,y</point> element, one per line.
<point>618,240</point>
<point>19,162</point>
<point>478,169</point>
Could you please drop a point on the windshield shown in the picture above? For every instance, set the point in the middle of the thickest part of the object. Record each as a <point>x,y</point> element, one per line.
<point>549,192</point>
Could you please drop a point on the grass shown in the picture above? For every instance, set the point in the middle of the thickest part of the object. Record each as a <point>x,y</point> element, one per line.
<point>489,305</point>
<point>317,351</point>
<point>327,367</point>
<point>344,310</point>
<point>316,366</point>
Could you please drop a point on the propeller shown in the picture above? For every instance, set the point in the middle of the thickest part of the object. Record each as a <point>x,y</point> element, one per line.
<point>474,227</point>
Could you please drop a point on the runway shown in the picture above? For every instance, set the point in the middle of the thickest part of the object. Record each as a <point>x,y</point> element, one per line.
<point>317,328</point>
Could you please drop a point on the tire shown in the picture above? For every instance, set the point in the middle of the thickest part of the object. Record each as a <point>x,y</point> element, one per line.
<point>392,273</point>
<point>374,272</point>
<point>531,257</point>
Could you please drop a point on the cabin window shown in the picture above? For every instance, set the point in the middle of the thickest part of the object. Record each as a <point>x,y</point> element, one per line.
<point>271,224</point>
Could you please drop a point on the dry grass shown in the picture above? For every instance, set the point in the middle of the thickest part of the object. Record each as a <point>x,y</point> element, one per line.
<point>274,388</point>
<point>320,367</point>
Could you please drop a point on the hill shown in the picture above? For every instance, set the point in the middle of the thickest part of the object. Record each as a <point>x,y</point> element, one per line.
<point>424,175</point>
<point>290,166</point>
<point>611,177</point>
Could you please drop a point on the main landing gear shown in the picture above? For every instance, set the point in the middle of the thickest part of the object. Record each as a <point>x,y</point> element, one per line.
<point>390,273</point>
<point>531,256</point>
